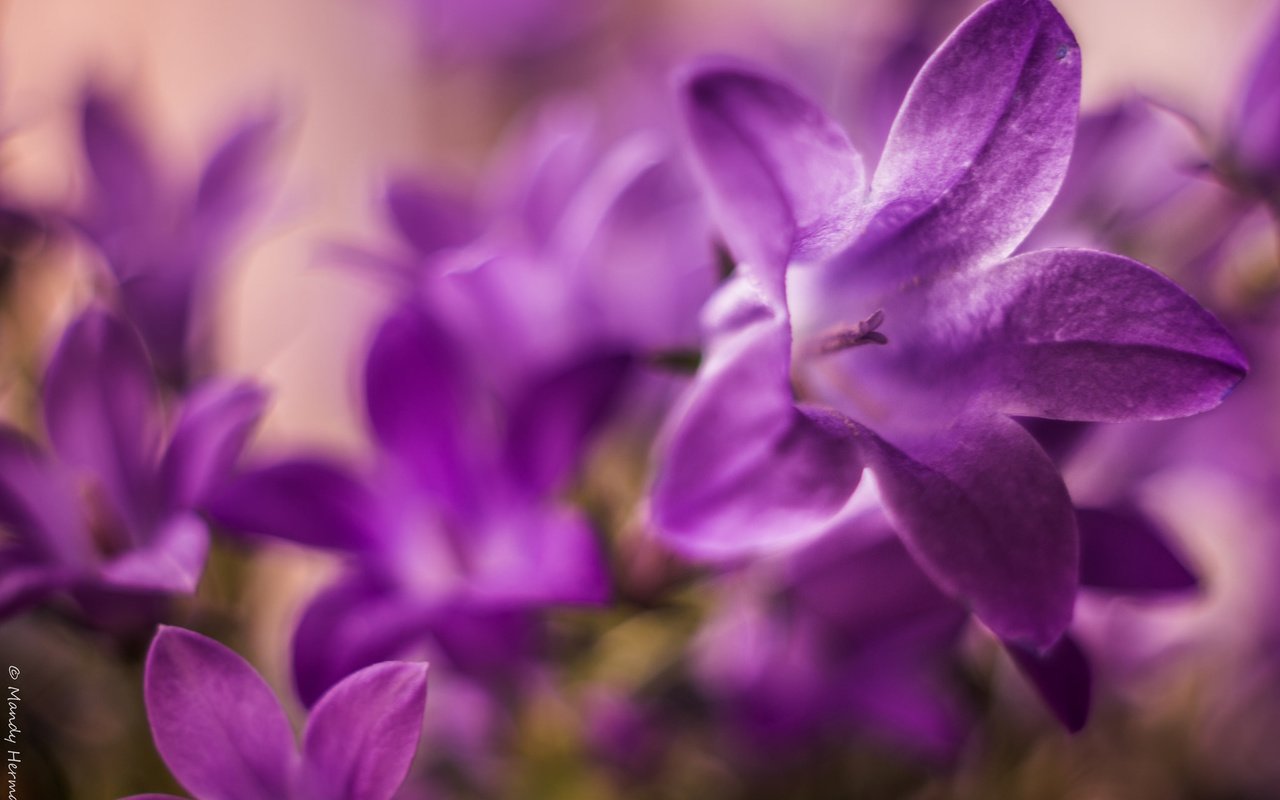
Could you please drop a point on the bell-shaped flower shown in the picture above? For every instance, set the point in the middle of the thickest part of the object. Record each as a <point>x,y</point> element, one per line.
<point>109,512</point>
<point>161,236</point>
<point>880,323</point>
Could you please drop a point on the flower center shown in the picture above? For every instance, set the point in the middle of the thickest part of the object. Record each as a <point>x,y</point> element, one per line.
<point>845,336</point>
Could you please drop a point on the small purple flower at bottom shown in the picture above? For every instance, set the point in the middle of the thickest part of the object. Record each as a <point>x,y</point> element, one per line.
<point>224,735</point>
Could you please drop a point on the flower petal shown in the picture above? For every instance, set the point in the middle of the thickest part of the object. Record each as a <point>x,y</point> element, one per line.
<point>1123,551</point>
<point>551,424</point>
<point>742,467</point>
<point>532,556</point>
<point>216,723</point>
<point>353,624</point>
<point>986,515</point>
<point>980,145</point>
<point>215,422</point>
<point>1062,678</point>
<point>126,180</point>
<point>101,408</point>
<point>362,735</point>
<point>1082,335</point>
<point>422,402</point>
<point>230,177</point>
<point>38,506</point>
<point>172,562</point>
<point>428,218</point>
<point>1256,133</point>
<point>307,500</point>
<point>783,180</point>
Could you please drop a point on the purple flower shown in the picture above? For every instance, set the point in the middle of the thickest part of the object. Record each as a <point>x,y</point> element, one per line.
<point>910,336</point>
<point>161,239</point>
<point>110,513</point>
<point>459,531</point>
<point>224,735</point>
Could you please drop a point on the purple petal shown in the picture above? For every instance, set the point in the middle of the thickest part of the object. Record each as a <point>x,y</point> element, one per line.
<point>215,721</point>
<point>1256,134</point>
<point>552,423</point>
<point>25,581</point>
<point>1062,678</point>
<point>211,432</point>
<point>980,145</point>
<point>986,515</point>
<point>351,625</point>
<point>38,505</point>
<point>362,735</point>
<point>429,219</point>
<point>126,180</point>
<point>101,408</point>
<point>1077,334</point>
<point>784,181</point>
<point>173,562</point>
<point>742,467</point>
<point>421,402</point>
<point>531,556</point>
<point>230,177</point>
<point>1122,550</point>
<point>306,500</point>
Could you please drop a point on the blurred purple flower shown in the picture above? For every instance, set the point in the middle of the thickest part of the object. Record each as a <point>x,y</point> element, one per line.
<point>916,338</point>
<point>460,530</point>
<point>500,30</point>
<point>162,240</point>
<point>224,735</point>
<point>110,514</point>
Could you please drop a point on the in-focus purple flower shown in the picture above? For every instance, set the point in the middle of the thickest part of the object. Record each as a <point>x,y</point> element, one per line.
<point>890,306</point>
<point>162,238</point>
<point>225,736</point>
<point>109,513</point>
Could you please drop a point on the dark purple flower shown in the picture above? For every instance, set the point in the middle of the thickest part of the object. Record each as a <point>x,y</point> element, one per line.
<point>162,239</point>
<point>111,511</point>
<point>224,735</point>
<point>909,334</point>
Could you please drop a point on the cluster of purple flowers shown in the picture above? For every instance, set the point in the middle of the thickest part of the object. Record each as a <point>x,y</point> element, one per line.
<point>844,436</point>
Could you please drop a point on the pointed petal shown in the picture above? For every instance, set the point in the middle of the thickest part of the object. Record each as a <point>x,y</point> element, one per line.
<point>215,722</point>
<point>306,500</point>
<point>214,425</point>
<point>428,218</point>
<point>783,180</point>
<point>1256,134</point>
<point>532,556</point>
<point>353,624</point>
<point>421,400</point>
<point>1062,678</point>
<point>38,505</point>
<point>363,733</point>
<point>552,423</point>
<point>987,516</point>
<point>172,562</point>
<point>101,407</point>
<point>231,175</point>
<point>122,168</point>
<point>1123,551</point>
<point>980,145</point>
<point>742,467</point>
<point>1082,335</point>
